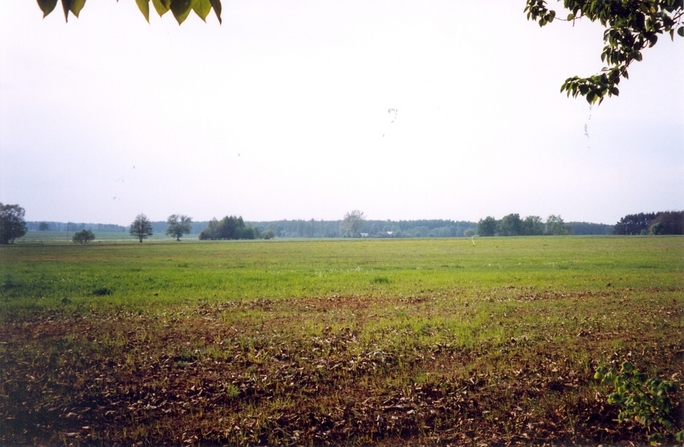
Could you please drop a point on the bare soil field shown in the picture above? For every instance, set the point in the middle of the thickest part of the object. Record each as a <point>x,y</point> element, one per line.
<point>424,342</point>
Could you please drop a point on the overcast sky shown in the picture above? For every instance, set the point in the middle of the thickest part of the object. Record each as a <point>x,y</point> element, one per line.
<point>300,109</point>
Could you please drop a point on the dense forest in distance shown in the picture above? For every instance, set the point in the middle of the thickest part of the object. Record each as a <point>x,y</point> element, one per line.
<point>325,228</point>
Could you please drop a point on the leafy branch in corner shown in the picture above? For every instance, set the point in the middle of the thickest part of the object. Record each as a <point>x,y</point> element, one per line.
<point>179,8</point>
<point>631,26</point>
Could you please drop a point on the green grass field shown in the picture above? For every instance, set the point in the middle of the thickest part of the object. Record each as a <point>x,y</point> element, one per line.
<point>425,341</point>
<point>62,237</point>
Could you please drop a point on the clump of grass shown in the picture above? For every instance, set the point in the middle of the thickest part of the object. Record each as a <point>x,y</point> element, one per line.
<point>102,291</point>
<point>381,280</point>
<point>8,284</point>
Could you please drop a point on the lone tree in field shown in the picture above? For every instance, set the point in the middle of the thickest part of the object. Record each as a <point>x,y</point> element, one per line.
<point>12,224</point>
<point>352,224</point>
<point>83,237</point>
<point>141,227</point>
<point>178,226</point>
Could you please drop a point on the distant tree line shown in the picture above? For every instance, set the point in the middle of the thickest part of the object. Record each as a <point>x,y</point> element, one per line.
<point>663,222</point>
<point>159,227</point>
<point>368,228</point>
<point>73,226</point>
<point>585,228</point>
<point>318,228</point>
<point>514,225</point>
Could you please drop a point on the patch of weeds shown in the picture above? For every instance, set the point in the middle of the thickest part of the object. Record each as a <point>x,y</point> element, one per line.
<point>66,300</point>
<point>186,355</point>
<point>232,391</point>
<point>381,280</point>
<point>646,266</point>
<point>646,400</point>
<point>102,291</point>
<point>8,284</point>
<point>183,265</point>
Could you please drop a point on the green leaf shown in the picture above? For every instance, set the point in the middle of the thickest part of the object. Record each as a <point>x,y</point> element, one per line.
<point>201,8</point>
<point>144,7</point>
<point>216,4</point>
<point>161,6</point>
<point>66,6</point>
<point>47,6</point>
<point>76,6</point>
<point>181,9</point>
<point>571,16</point>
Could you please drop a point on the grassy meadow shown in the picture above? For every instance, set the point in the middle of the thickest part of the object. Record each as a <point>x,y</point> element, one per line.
<point>318,342</point>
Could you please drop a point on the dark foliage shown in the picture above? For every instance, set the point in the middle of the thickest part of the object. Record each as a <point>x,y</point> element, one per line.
<point>585,228</point>
<point>668,222</point>
<point>230,227</point>
<point>487,226</point>
<point>12,224</point>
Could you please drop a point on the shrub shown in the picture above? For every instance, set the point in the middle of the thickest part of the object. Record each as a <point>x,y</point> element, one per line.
<point>269,234</point>
<point>83,236</point>
<point>646,400</point>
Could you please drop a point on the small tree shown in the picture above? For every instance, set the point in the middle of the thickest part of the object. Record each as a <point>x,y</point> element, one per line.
<point>556,226</point>
<point>83,236</point>
<point>43,226</point>
<point>352,224</point>
<point>141,227</point>
<point>12,224</point>
<point>532,226</point>
<point>510,225</point>
<point>178,226</point>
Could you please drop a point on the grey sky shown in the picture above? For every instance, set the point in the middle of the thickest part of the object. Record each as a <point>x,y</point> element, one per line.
<point>282,113</point>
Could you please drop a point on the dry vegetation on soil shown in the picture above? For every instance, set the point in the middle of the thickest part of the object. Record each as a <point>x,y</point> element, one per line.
<point>421,342</point>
